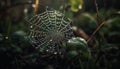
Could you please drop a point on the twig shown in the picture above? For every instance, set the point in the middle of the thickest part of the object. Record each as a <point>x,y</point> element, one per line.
<point>96,31</point>
<point>99,20</point>
<point>104,3</point>
<point>96,7</point>
<point>36,6</point>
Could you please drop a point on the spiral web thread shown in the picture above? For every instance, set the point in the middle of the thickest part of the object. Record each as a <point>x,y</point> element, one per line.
<point>49,30</point>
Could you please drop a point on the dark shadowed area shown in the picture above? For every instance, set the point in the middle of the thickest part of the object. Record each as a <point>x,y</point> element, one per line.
<point>59,34</point>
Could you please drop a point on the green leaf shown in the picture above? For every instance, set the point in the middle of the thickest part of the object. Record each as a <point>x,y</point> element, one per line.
<point>72,54</point>
<point>77,43</point>
<point>76,5</point>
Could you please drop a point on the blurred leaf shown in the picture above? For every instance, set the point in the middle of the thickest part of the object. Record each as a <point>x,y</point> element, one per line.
<point>72,53</point>
<point>110,46</point>
<point>87,54</point>
<point>16,49</point>
<point>77,43</point>
<point>76,5</point>
<point>78,46</point>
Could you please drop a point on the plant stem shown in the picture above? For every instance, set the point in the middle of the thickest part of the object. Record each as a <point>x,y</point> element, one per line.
<point>99,20</point>
<point>81,65</point>
<point>96,31</point>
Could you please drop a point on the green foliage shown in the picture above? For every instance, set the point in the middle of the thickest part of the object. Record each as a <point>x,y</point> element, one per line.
<point>77,43</point>
<point>76,5</point>
<point>103,52</point>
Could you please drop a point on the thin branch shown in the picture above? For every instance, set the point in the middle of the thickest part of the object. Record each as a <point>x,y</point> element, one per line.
<point>96,31</point>
<point>99,20</point>
<point>36,6</point>
<point>96,7</point>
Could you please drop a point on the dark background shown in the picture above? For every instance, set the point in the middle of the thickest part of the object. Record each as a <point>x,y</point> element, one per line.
<point>17,53</point>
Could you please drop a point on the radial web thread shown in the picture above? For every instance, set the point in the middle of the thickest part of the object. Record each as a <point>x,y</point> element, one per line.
<point>49,30</point>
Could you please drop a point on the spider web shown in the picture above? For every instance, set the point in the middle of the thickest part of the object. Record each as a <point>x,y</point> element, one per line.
<point>49,30</point>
